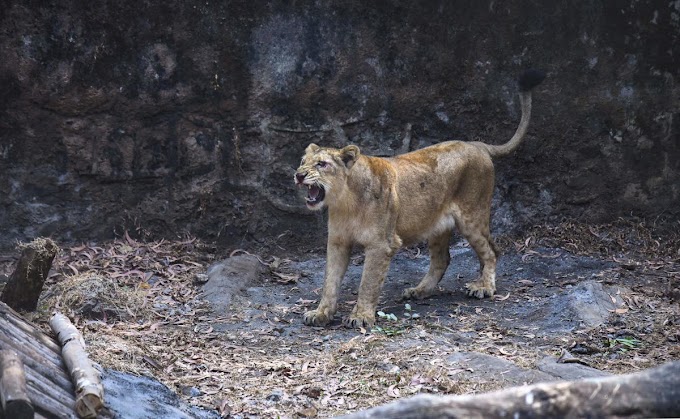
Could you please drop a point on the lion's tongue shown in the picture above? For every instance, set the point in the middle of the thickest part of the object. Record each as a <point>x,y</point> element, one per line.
<point>314,192</point>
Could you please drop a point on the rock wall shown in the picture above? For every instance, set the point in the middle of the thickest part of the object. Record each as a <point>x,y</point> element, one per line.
<point>176,117</point>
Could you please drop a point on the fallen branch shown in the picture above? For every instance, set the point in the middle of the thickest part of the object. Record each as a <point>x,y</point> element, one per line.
<point>650,393</point>
<point>26,283</point>
<point>13,395</point>
<point>89,390</point>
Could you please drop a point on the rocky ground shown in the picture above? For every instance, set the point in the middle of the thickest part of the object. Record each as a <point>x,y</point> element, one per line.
<point>224,331</point>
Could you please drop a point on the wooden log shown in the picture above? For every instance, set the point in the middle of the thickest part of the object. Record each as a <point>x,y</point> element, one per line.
<point>23,337</point>
<point>25,285</point>
<point>43,367</point>
<point>30,329</point>
<point>13,393</point>
<point>49,386</point>
<point>48,399</point>
<point>89,390</point>
<point>15,338</point>
<point>651,393</point>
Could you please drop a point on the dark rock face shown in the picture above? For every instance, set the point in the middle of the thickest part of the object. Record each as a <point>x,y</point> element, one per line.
<point>179,117</point>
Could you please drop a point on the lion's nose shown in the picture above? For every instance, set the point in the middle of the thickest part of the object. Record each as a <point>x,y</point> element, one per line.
<point>300,177</point>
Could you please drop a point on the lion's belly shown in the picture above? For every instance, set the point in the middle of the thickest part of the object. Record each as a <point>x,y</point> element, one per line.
<point>415,232</point>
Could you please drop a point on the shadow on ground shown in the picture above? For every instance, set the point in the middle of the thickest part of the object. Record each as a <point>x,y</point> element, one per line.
<point>550,292</point>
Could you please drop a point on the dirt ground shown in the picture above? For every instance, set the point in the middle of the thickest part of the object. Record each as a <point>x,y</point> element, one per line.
<point>224,330</point>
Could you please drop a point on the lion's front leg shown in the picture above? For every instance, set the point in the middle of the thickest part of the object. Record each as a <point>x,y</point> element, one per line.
<point>376,264</point>
<point>337,259</point>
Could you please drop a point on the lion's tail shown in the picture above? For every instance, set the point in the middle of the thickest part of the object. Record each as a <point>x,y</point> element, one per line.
<point>527,81</point>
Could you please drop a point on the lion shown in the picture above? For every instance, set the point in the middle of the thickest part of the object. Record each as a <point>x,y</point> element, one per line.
<point>383,204</point>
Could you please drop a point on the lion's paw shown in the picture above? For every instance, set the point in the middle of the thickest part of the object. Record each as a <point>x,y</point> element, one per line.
<point>356,321</point>
<point>480,289</point>
<point>416,293</point>
<point>316,318</point>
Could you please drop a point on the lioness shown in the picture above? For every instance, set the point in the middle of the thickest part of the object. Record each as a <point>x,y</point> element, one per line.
<point>385,203</point>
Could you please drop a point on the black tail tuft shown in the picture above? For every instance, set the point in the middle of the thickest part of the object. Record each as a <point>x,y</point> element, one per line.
<point>530,79</point>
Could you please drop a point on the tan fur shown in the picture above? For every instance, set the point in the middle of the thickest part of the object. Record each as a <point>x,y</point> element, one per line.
<point>385,203</point>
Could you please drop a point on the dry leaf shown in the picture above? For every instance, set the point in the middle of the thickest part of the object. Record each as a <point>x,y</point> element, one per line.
<point>129,240</point>
<point>393,391</point>
<point>73,268</point>
<point>564,356</point>
<point>506,352</point>
<point>622,310</point>
<point>453,371</point>
<point>275,263</point>
<point>151,362</point>
<point>503,298</point>
<point>224,409</point>
<point>305,302</point>
<point>203,328</point>
<point>286,278</point>
<point>307,412</point>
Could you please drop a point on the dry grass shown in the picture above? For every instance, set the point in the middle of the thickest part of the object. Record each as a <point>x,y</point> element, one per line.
<point>96,296</point>
<point>41,245</point>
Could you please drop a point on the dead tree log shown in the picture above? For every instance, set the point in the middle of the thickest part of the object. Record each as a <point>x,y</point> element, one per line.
<point>89,390</point>
<point>650,393</point>
<point>13,394</point>
<point>26,283</point>
<point>49,387</point>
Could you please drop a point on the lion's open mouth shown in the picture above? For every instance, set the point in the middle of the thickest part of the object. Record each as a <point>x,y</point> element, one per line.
<point>315,195</point>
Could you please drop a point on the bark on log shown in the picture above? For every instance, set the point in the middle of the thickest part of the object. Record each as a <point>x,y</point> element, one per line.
<point>52,374</point>
<point>26,331</point>
<point>16,340</point>
<point>37,350</point>
<point>47,399</point>
<point>89,390</point>
<point>49,387</point>
<point>25,285</point>
<point>650,393</point>
<point>22,333</point>
<point>13,394</point>
<point>30,330</point>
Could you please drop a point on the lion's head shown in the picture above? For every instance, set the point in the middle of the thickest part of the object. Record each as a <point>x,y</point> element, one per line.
<point>323,171</point>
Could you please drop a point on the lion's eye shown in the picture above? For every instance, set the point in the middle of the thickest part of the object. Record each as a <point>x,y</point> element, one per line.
<point>321,164</point>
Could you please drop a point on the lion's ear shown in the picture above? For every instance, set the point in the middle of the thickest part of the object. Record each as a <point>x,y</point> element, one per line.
<point>312,148</point>
<point>349,155</point>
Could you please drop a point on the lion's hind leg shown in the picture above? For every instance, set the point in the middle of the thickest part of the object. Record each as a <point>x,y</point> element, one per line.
<point>439,261</point>
<point>476,232</point>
